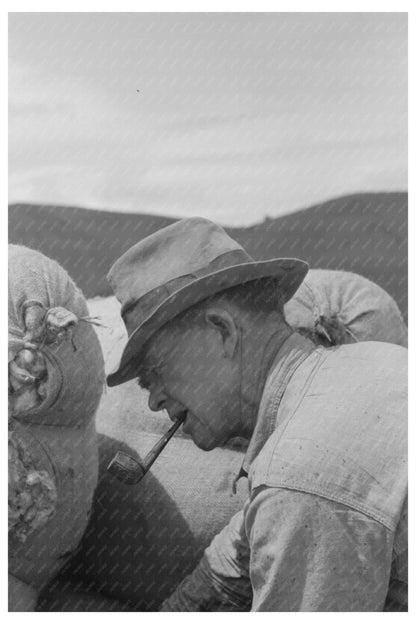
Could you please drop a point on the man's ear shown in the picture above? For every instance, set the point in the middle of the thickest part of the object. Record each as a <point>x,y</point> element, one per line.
<point>223,323</point>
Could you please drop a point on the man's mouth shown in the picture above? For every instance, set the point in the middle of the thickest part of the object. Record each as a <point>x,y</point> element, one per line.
<point>182,416</point>
<point>185,424</point>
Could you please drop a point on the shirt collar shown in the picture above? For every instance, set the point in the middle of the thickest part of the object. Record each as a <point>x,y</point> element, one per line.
<point>291,354</point>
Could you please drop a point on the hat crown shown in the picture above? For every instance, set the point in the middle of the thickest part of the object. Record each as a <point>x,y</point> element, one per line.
<point>184,248</point>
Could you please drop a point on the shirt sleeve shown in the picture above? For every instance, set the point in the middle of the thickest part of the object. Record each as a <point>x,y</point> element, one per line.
<point>291,551</point>
<point>312,554</point>
<point>221,580</point>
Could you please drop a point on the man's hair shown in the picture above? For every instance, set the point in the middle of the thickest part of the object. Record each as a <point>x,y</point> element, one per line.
<point>260,296</point>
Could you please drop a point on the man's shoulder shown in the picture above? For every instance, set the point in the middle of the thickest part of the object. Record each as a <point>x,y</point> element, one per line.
<point>358,367</point>
<point>351,369</point>
<point>342,429</point>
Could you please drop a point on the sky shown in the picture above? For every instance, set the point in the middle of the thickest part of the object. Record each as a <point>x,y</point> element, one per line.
<point>231,116</point>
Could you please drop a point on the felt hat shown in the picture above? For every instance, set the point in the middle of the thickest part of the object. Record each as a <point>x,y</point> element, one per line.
<point>177,267</point>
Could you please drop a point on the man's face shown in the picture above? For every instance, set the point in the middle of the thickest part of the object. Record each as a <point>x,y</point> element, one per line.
<point>187,371</point>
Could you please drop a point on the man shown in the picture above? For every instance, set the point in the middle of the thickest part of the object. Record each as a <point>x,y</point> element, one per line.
<point>324,528</point>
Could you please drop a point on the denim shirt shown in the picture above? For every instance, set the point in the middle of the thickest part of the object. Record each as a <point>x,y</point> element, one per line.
<point>325,524</point>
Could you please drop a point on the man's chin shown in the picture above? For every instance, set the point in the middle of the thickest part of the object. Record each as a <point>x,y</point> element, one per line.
<point>209,445</point>
<point>206,446</point>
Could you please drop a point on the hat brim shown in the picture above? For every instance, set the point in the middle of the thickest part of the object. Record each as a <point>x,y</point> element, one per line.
<point>289,272</point>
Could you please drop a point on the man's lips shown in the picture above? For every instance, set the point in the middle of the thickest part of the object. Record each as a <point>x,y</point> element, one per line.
<point>178,416</point>
<point>185,426</point>
<point>181,417</point>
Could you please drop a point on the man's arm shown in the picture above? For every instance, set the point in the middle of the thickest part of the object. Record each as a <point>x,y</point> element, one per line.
<point>312,554</point>
<point>221,581</point>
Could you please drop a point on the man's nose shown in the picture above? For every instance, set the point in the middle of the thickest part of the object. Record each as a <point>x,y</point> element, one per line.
<point>157,399</point>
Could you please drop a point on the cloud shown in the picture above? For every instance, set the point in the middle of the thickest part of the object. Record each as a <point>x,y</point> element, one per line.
<point>237,117</point>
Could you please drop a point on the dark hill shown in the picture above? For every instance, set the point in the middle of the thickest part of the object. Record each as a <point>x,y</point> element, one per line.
<point>365,233</point>
<point>85,242</point>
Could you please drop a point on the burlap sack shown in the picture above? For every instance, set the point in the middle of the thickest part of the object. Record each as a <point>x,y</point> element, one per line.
<point>53,442</point>
<point>338,307</point>
<point>143,539</point>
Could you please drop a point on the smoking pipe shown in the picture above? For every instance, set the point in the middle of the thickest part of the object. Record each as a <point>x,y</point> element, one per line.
<point>130,470</point>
